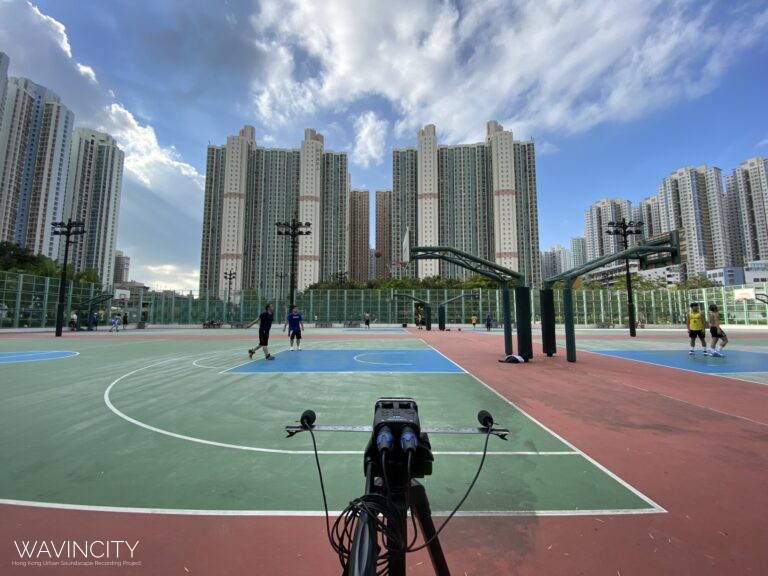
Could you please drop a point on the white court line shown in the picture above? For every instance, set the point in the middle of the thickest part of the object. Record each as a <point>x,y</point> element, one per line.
<point>444,356</point>
<point>236,366</point>
<point>29,356</point>
<point>707,408</point>
<point>357,359</point>
<point>635,491</point>
<point>356,453</point>
<point>311,513</point>
<point>204,441</point>
<point>731,375</point>
<point>212,355</point>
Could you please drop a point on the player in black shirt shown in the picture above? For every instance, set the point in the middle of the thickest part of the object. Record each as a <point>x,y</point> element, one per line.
<point>265,324</point>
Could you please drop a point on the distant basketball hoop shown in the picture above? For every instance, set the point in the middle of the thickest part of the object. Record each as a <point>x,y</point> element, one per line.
<point>741,294</point>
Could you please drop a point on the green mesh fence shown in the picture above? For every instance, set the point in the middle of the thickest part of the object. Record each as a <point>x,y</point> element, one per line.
<point>30,302</point>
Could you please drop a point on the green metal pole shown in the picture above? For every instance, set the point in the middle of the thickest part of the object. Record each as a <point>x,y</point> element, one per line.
<point>570,333</point>
<point>507,317</point>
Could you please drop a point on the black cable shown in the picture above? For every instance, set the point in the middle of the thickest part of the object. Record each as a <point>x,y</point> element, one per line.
<point>322,487</point>
<point>456,509</point>
<point>408,503</point>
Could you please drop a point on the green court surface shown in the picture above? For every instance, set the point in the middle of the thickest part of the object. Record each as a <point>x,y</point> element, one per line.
<point>164,423</point>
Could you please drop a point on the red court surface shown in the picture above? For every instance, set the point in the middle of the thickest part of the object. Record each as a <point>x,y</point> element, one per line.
<point>696,444</point>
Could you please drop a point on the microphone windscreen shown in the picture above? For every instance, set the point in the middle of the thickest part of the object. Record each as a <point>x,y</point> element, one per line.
<point>485,418</point>
<point>307,418</point>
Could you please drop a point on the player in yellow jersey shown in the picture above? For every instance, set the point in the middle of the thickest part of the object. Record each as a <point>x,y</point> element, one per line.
<point>696,321</point>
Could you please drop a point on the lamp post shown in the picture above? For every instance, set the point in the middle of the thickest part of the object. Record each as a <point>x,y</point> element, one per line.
<point>229,276</point>
<point>294,229</point>
<point>66,229</point>
<point>281,276</point>
<point>625,230</point>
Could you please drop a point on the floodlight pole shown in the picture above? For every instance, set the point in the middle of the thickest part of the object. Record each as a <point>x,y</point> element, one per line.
<point>626,229</point>
<point>66,229</point>
<point>228,276</point>
<point>294,229</point>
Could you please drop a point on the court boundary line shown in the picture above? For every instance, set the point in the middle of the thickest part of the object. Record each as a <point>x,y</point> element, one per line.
<point>184,358</point>
<point>315,513</point>
<point>372,351</point>
<point>730,375</point>
<point>70,354</point>
<point>205,441</point>
<point>629,487</point>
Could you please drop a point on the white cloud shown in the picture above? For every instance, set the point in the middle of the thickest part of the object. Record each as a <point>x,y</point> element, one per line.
<point>88,72</point>
<point>763,142</point>
<point>546,149</point>
<point>536,66</point>
<point>169,277</point>
<point>277,95</point>
<point>149,162</point>
<point>58,31</point>
<point>162,196</point>
<point>370,140</point>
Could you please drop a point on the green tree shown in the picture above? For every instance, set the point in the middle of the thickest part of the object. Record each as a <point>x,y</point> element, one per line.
<point>479,281</point>
<point>697,282</point>
<point>14,258</point>
<point>639,282</point>
<point>91,275</point>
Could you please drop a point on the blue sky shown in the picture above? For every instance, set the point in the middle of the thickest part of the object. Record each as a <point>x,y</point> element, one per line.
<point>617,95</point>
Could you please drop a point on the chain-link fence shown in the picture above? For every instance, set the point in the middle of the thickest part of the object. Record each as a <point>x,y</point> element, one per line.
<point>30,302</point>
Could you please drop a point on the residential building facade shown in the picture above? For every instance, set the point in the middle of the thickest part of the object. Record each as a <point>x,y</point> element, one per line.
<point>35,140</point>
<point>383,249</point>
<point>94,187</point>
<point>479,198</point>
<point>248,190</point>
<point>122,267</point>
<point>359,235</point>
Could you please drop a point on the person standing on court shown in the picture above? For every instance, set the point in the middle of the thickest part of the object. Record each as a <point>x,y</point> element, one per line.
<point>474,320</point>
<point>696,322</point>
<point>265,325</point>
<point>125,321</point>
<point>295,324</point>
<point>488,322</point>
<point>367,319</point>
<point>716,332</point>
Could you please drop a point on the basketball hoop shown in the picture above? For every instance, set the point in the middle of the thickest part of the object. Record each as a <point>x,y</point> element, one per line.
<point>743,294</point>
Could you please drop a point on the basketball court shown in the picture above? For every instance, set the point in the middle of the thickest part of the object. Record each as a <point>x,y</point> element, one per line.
<point>175,439</point>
